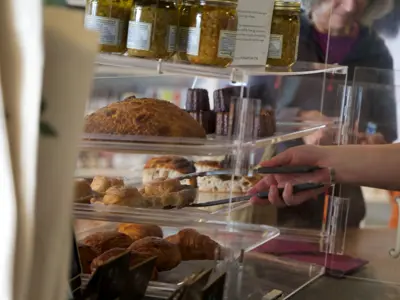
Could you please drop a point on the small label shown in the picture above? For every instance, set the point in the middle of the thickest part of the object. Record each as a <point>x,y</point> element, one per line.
<point>193,41</point>
<point>108,28</point>
<point>297,49</point>
<point>139,36</point>
<point>171,43</point>
<point>227,43</point>
<point>275,46</point>
<point>183,39</point>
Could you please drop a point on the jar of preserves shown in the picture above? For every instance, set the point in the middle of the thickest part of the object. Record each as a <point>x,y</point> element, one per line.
<point>285,31</point>
<point>110,18</point>
<point>185,9</point>
<point>211,31</point>
<point>152,29</point>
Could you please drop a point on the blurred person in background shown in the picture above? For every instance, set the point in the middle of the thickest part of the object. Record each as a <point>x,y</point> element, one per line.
<point>352,43</point>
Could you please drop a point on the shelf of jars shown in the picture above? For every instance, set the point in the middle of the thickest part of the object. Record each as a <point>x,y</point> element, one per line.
<point>141,67</point>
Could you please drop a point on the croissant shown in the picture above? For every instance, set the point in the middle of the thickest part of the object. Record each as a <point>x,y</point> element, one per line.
<point>104,241</point>
<point>139,231</point>
<point>168,254</point>
<point>194,245</point>
<point>135,258</point>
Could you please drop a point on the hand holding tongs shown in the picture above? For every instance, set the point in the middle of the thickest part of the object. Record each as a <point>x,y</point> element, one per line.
<point>262,195</point>
<point>261,170</point>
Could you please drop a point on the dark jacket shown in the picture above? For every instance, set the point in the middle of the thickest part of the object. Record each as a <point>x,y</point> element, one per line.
<point>305,93</point>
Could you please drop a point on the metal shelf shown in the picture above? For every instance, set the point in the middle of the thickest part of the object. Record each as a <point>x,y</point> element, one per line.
<point>124,65</point>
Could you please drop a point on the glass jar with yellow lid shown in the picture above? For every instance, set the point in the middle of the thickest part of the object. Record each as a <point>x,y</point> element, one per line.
<point>152,29</point>
<point>285,31</point>
<point>211,27</point>
<point>109,18</point>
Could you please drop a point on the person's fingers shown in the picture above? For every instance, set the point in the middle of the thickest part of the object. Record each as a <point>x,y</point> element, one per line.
<point>281,159</point>
<point>296,199</point>
<point>262,186</point>
<point>274,197</point>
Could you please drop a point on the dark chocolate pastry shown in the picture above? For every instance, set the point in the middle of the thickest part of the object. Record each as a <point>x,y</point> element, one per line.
<point>223,97</point>
<point>206,119</point>
<point>197,100</point>
<point>266,125</point>
<point>224,123</point>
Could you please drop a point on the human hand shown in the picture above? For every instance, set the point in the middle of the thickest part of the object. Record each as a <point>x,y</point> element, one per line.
<point>371,139</point>
<point>302,155</point>
<point>325,136</point>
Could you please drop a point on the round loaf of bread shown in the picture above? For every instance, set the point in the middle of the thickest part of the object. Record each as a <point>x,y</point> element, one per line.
<point>146,116</point>
<point>140,231</point>
<point>168,254</point>
<point>103,241</point>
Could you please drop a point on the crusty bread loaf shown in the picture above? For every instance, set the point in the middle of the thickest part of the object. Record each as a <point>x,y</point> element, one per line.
<point>222,183</point>
<point>168,254</point>
<point>143,117</point>
<point>193,245</point>
<point>168,167</point>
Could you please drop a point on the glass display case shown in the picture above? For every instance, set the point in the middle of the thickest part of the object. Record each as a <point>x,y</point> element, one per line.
<point>374,114</point>
<point>257,112</point>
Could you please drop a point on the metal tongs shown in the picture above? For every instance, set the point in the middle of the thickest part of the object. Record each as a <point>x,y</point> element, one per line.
<point>261,170</point>
<point>262,195</point>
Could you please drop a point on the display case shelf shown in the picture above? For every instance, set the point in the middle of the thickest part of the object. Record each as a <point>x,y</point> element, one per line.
<point>212,146</point>
<point>124,65</point>
<point>231,235</point>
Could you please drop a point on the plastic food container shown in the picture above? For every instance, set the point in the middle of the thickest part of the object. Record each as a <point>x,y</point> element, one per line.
<point>109,18</point>
<point>285,30</point>
<point>152,29</point>
<point>211,31</point>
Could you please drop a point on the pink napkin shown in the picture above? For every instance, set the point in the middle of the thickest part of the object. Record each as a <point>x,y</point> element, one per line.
<point>337,265</point>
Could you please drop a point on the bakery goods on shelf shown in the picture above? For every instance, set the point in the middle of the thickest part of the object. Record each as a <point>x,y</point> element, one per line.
<point>86,255</point>
<point>168,167</point>
<point>169,192</point>
<point>155,194</point>
<point>101,184</point>
<point>168,254</point>
<point>135,259</point>
<point>140,231</point>
<point>266,125</point>
<point>145,117</point>
<point>194,245</point>
<point>104,241</point>
<point>222,183</point>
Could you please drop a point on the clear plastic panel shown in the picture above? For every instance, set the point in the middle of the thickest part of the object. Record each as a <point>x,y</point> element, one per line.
<point>374,119</point>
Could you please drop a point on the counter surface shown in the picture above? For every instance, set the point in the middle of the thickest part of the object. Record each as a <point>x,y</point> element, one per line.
<point>370,244</point>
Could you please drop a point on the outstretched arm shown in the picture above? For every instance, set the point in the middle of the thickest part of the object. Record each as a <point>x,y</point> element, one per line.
<point>374,166</point>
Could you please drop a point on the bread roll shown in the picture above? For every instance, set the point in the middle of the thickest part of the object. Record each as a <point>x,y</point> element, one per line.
<point>168,254</point>
<point>135,258</point>
<point>161,167</point>
<point>139,231</point>
<point>103,241</point>
<point>146,117</point>
<point>101,184</point>
<point>86,255</point>
<point>193,245</point>
<point>124,196</point>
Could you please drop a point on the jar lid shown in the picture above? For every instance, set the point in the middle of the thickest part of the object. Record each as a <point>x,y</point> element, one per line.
<point>292,5</point>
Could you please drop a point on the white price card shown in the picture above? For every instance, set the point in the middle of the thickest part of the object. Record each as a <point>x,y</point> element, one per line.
<point>254,26</point>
